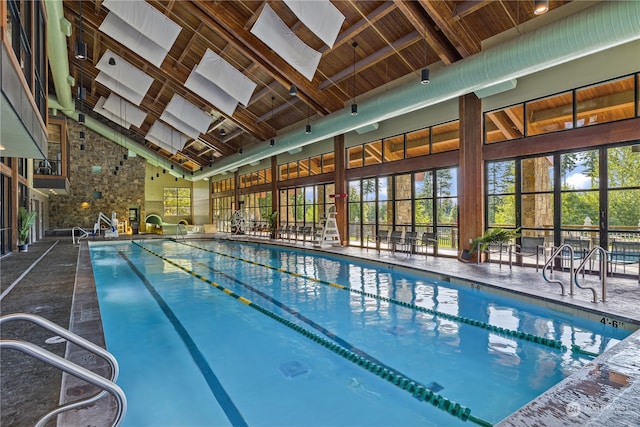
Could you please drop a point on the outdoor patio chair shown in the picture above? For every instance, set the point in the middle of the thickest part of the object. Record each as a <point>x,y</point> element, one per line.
<point>409,241</point>
<point>426,240</point>
<point>382,236</point>
<point>395,239</point>
<point>625,253</point>
<point>581,248</point>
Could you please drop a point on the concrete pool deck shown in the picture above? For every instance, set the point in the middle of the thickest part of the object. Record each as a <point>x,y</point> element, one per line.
<point>60,287</point>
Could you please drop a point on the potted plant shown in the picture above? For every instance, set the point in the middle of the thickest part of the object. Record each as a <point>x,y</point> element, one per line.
<point>273,224</point>
<point>26,220</point>
<point>493,236</point>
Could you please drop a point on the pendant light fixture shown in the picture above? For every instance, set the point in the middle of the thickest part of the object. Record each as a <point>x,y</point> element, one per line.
<point>540,7</point>
<point>293,90</point>
<point>272,141</point>
<point>81,55</point>
<point>307,129</point>
<point>424,75</point>
<point>354,106</point>
<point>80,46</point>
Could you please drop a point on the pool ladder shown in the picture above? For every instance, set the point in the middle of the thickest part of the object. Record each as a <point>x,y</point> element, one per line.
<point>181,230</point>
<point>107,385</point>
<point>575,273</point>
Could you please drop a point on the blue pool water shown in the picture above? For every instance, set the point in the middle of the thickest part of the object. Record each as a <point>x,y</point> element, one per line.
<point>215,333</point>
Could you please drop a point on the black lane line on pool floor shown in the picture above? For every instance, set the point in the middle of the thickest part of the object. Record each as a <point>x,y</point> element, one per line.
<point>431,386</point>
<point>547,342</point>
<point>229,408</point>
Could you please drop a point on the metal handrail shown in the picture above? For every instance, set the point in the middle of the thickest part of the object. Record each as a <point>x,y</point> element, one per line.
<point>84,232</point>
<point>72,369</point>
<point>604,268</point>
<point>80,342</point>
<point>179,231</point>
<point>549,263</point>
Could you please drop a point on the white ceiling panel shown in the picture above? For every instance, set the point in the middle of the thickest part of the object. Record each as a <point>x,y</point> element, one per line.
<point>166,137</point>
<point>99,108</point>
<point>274,33</point>
<point>320,16</point>
<point>141,27</point>
<point>123,78</point>
<point>124,109</point>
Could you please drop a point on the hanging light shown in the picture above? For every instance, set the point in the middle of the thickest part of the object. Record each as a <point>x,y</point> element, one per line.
<point>240,151</point>
<point>171,166</point>
<point>272,141</point>
<point>211,159</point>
<point>81,147</point>
<point>222,132</point>
<point>540,7</point>
<point>307,129</point>
<point>121,163</point>
<point>82,92</point>
<point>125,157</point>
<point>176,179</point>
<point>81,118</point>
<point>82,134</point>
<point>293,90</point>
<point>80,45</point>
<point>354,106</point>
<point>164,171</point>
<point>424,76</point>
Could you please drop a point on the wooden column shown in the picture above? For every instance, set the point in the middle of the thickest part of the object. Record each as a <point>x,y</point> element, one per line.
<point>275,192</point>
<point>340,180</point>
<point>471,170</point>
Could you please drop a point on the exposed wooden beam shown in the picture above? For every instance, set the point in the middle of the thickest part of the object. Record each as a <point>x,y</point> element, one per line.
<point>225,24</point>
<point>372,60</point>
<point>425,26</point>
<point>468,7</point>
<point>465,43</point>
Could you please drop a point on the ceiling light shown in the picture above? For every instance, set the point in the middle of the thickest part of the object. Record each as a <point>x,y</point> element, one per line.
<point>272,142</point>
<point>540,7</point>
<point>82,92</point>
<point>293,90</point>
<point>81,118</point>
<point>112,61</point>
<point>307,129</point>
<point>240,151</point>
<point>424,76</point>
<point>81,50</point>
<point>222,132</point>
<point>82,134</point>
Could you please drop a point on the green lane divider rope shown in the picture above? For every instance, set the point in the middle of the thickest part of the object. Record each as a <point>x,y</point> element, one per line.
<point>548,342</point>
<point>576,349</point>
<point>419,392</point>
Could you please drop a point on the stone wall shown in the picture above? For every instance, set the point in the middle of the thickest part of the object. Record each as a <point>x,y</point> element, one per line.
<point>92,172</point>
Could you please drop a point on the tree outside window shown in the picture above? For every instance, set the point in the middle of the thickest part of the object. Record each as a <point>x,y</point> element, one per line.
<point>177,201</point>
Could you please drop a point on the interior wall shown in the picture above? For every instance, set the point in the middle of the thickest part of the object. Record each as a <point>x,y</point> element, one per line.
<point>91,175</point>
<point>154,190</point>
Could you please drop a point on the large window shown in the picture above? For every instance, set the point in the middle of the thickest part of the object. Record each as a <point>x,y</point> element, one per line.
<point>501,190</point>
<point>436,139</point>
<point>305,206</point>
<point>424,201</point>
<point>177,201</point>
<point>623,173</point>
<point>602,102</point>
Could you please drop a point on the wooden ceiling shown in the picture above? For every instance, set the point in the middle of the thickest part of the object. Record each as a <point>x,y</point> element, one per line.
<point>394,39</point>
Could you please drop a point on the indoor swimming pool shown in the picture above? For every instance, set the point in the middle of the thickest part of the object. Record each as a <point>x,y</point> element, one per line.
<point>213,332</point>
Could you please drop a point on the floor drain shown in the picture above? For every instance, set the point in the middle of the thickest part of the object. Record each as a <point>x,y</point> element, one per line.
<point>293,369</point>
<point>55,340</point>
